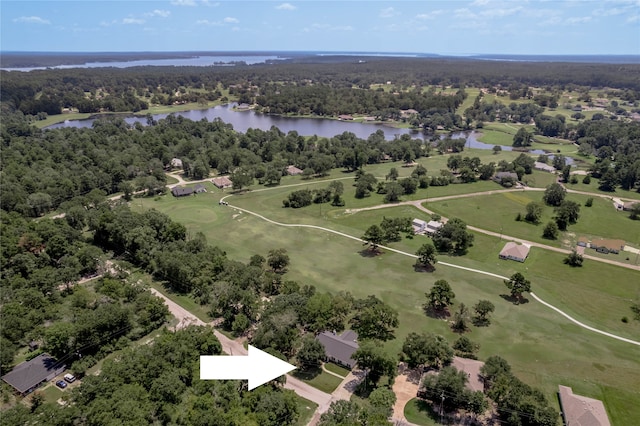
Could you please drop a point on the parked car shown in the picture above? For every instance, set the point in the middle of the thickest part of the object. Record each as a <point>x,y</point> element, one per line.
<point>61,384</point>
<point>69,378</point>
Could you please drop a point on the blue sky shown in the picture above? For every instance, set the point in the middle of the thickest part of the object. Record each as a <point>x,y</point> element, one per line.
<point>444,27</point>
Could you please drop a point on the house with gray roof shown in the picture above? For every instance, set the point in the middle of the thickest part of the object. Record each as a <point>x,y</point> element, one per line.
<point>27,376</point>
<point>181,191</point>
<point>579,410</point>
<point>339,348</point>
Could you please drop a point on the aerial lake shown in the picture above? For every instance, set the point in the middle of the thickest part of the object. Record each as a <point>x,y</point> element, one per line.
<point>244,120</point>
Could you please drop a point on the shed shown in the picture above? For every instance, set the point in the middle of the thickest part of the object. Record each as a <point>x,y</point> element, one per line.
<point>433,226</point>
<point>514,251</point>
<point>339,348</point>
<point>419,226</point>
<point>27,376</point>
<point>293,170</point>
<point>581,411</point>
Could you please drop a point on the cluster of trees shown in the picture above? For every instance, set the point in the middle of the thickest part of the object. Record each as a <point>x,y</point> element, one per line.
<point>388,231</point>
<point>160,383</point>
<point>567,212</point>
<point>441,296</point>
<point>482,111</point>
<point>304,197</point>
<point>453,237</point>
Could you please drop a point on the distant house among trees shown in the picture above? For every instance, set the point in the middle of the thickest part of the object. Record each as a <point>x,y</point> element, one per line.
<point>181,191</point>
<point>345,117</point>
<point>222,182</point>
<point>176,163</point>
<point>433,226</point>
<point>294,171</point>
<point>506,178</point>
<point>419,226</point>
<point>27,376</point>
<point>199,188</point>
<point>340,348</point>
<point>544,167</point>
<point>514,251</point>
<point>581,411</point>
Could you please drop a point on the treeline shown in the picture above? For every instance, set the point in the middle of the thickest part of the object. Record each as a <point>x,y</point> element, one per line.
<point>40,263</point>
<point>50,90</point>
<point>160,384</point>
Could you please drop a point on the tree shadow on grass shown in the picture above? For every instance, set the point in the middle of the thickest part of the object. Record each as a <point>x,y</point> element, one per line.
<point>307,374</point>
<point>436,313</point>
<point>370,253</point>
<point>481,322</point>
<point>515,300</point>
<point>426,409</point>
<point>419,267</point>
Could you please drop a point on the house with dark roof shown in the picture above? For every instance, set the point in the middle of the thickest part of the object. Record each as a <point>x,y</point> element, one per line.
<point>514,251</point>
<point>579,410</point>
<point>199,188</point>
<point>27,376</point>
<point>181,191</point>
<point>339,348</point>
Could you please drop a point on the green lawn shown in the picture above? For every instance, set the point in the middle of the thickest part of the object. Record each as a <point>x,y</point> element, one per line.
<point>543,348</point>
<point>51,393</point>
<point>420,412</point>
<point>336,369</point>
<point>306,409</point>
<point>318,379</point>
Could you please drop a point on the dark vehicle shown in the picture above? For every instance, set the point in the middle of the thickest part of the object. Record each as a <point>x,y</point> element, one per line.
<point>61,384</point>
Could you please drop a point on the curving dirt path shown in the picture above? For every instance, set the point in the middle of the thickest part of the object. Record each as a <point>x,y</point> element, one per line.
<point>295,225</point>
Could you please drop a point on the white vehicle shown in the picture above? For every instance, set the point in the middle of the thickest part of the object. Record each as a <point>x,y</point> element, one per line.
<point>69,378</point>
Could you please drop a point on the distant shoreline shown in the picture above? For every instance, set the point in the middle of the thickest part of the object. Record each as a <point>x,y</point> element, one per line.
<point>16,60</point>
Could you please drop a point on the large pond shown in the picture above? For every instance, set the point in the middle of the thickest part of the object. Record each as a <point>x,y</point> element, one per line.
<point>244,120</point>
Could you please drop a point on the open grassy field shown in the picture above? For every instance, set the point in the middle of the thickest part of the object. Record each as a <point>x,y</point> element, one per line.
<point>319,379</point>
<point>306,409</point>
<point>498,212</point>
<point>334,368</point>
<point>534,339</point>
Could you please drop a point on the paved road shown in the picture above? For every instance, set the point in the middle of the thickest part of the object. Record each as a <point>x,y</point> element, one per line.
<point>234,347</point>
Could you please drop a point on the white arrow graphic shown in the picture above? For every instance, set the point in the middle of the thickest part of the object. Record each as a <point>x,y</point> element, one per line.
<point>258,367</point>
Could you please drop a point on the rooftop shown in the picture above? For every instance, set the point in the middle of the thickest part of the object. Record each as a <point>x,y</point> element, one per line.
<point>515,250</point>
<point>580,410</point>
<point>31,373</point>
<point>340,347</point>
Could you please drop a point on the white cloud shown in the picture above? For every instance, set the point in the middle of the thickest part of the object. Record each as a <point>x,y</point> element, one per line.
<point>464,13</point>
<point>107,23</point>
<point>286,6</point>
<point>388,12</point>
<point>328,27</point>
<point>158,12</point>
<point>480,3</point>
<point>554,20</point>
<point>183,2</point>
<point>633,19</point>
<point>579,20</point>
<point>133,21</point>
<point>430,15</point>
<point>208,3</point>
<point>499,13</point>
<point>208,23</point>
<point>229,20</point>
<point>32,20</point>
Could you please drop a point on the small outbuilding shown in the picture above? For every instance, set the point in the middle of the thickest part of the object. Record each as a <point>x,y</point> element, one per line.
<point>419,226</point>
<point>340,348</point>
<point>433,226</point>
<point>199,188</point>
<point>27,376</point>
<point>514,251</point>
<point>293,170</point>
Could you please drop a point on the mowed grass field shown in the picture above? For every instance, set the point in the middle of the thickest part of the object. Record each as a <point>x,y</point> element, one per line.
<point>543,347</point>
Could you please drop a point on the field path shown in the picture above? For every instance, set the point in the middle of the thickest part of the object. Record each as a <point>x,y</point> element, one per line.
<point>478,271</point>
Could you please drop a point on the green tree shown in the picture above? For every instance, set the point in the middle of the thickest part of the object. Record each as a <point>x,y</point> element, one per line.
<point>440,296</point>
<point>522,138</point>
<point>392,175</point>
<point>574,259</point>
<point>482,309</point>
<point>550,231</point>
<point>554,194</point>
<point>465,348</point>
<point>311,353</point>
<point>427,255</point>
<point>567,213</point>
<point>278,260</point>
<point>372,358</point>
<point>518,284</point>
<point>241,178</point>
<point>373,236</point>
<point>393,192</point>
<point>534,212</point>
<point>374,319</point>
<point>461,319</point>
<point>383,399</point>
<point>453,237</point>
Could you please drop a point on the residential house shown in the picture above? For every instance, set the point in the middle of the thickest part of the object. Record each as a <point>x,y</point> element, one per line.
<point>345,117</point>
<point>222,182</point>
<point>293,170</point>
<point>433,226</point>
<point>504,177</point>
<point>340,348</point>
<point>579,410</point>
<point>514,251</point>
<point>606,246</point>
<point>472,368</point>
<point>181,191</point>
<point>629,205</point>
<point>544,167</point>
<point>27,376</point>
<point>419,226</point>
<point>199,188</point>
<point>176,163</point>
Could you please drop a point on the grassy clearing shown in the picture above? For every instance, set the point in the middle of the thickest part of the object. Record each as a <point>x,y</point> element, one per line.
<point>336,369</point>
<point>420,412</point>
<point>319,379</point>
<point>51,393</point>
<point>537,337</point>
<point>306,409</point>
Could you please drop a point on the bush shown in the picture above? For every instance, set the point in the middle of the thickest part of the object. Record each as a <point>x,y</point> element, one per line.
<point>586,180</point>
<point>589,202</point>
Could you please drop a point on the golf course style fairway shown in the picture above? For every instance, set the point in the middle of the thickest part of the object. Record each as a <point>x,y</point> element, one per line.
<point>544,348</point>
